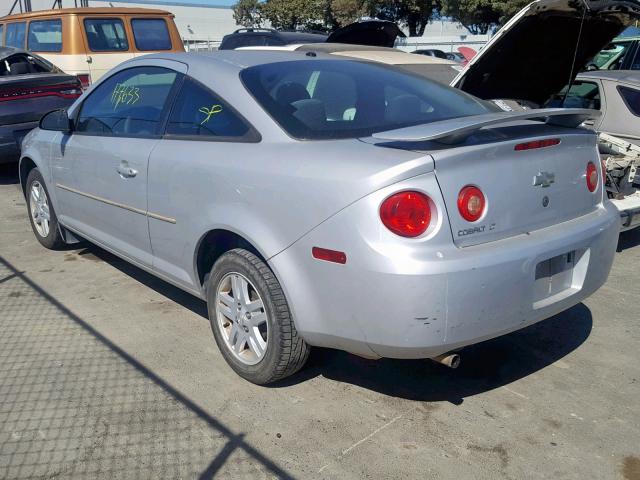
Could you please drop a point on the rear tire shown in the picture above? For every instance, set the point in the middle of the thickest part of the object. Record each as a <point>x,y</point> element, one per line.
<point>42,215</point>
<point>251,321</point>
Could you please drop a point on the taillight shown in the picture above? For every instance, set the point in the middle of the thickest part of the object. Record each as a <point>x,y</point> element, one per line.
<point>24,93</point>
<point>407,213</point>
<point>547,142</point>
<point>471,203</point>
<point>85,80</point>
<point>592,177</point>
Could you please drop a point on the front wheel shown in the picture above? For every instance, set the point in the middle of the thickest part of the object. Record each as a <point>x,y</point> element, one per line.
<point>42,216</point>
<point>251,321</point>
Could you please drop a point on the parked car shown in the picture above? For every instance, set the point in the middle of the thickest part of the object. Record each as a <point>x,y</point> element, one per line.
<point>433,68</point>
<point>623,53</point>
<point>455,56</point>
<point>340,203</point>
<point>251,37</point>
<point>517,71</point>
<point>380,33</point>
<point>29,87</point>
<point>431,52</point>
<point>90,41</point>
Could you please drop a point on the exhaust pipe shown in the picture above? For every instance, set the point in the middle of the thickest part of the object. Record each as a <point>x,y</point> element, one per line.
<point>451,360</point>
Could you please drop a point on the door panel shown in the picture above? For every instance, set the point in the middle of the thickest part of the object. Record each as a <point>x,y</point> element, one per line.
<point>100,171</point>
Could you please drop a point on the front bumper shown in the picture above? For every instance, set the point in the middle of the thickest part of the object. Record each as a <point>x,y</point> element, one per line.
<point>11,139</point>
<point>421,299</point>
<point>629,208</point>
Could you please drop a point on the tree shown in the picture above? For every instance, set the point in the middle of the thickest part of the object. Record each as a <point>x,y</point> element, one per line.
<point>480,15</point>
<point>294,14</point>
<point>247,13</point>
<point>476,15</point>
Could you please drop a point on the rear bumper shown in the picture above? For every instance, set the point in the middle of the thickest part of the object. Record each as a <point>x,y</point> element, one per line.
<point>406,302</point>
<point>11,138</point>
<point>629,208</point>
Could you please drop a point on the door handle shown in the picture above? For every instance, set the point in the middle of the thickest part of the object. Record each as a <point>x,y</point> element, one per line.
<point>126,172</point>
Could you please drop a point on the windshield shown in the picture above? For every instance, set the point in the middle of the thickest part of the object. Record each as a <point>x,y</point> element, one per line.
<point>610,57</point>
<point>325,99</point>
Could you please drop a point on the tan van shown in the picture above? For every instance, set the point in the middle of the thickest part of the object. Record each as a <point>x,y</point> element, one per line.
<point>90,41</point>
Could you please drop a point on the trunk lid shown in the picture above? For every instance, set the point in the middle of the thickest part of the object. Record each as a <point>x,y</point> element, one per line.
<point>544,47</point>
<point>520,196</point>
<point>377,33</point>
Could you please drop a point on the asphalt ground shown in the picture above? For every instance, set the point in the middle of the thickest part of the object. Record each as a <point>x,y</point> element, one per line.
<point>107,372</point>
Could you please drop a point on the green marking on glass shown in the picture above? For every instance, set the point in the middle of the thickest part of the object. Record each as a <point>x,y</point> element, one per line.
<point>209,112</point>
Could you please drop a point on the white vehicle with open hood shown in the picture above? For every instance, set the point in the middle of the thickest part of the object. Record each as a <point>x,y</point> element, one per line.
<point>538,53</point>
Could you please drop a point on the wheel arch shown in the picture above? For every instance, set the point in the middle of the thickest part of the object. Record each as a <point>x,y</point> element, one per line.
<point>24,168</point>
<point>213,244</point>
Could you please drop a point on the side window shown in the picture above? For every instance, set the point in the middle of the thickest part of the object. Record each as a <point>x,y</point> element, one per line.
<point>15,34</point>
<point>1,35</point>
<point>106,34</point>
<point>198,111</point>
<point>128,104</point>
<point>45,36</point>
<point>580,95</point>
<point>635,63</point>
<point>631,98</point>
<point>151,34</point>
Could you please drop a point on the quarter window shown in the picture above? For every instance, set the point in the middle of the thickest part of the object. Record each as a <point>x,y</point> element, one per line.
<point>631,98</point>
<point>151,34</point>
<point>128,104</point>
<point>45,36</point>
<point>106,34</point>
<point>16,34</point>
<point>199,112</point>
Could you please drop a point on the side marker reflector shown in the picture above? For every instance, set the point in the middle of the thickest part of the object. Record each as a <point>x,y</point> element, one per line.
<point>329,255</point>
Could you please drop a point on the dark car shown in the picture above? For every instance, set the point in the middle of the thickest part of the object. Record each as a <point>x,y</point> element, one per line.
<point>431,52</point>
<point>29,87</point>
<point>372,32</point>
<point>263,37</point>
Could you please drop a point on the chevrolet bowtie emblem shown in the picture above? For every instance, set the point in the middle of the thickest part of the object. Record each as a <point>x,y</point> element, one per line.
<point>544,179</point>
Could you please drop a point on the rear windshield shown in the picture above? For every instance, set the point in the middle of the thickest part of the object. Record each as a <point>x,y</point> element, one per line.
<point>151,34</point>
<point>106,34</point>
<point>324,99</point>
<point>45,36</point>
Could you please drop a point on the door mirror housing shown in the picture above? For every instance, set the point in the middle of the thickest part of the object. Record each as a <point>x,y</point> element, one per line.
<point>56,121</point>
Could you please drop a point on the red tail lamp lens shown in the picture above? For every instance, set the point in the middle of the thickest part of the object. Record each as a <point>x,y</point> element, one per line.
<point>471,203</point>
<point>407,214</point>
<point>547,142</point>
<point>329,255</point>
<point>592,177</point>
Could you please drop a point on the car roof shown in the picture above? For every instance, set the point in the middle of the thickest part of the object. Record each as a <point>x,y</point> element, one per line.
<point>88,10</point>
<point>630,76</point>
<point>7,51</point>
<point>234,59</point>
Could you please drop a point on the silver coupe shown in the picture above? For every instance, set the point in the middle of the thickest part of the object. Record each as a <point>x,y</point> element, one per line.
<point>313,200</point>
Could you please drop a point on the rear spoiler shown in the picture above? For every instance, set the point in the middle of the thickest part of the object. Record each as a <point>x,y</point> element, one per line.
<point>455,130</point>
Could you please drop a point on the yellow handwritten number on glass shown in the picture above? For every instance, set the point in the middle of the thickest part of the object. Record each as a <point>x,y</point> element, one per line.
<point>209,112</point>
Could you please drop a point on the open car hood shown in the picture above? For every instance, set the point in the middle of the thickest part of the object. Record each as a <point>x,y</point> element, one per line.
<point>544,47</point>
<point>377,33</point>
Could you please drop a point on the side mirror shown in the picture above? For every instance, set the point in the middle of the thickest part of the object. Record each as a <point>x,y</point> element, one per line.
<point>56,121</point>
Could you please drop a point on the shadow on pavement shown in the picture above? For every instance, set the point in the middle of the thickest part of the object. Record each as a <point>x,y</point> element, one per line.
<point>73,404</point>
<point>484,367</point>
<point>9,174</point>
<point>629,239</point>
